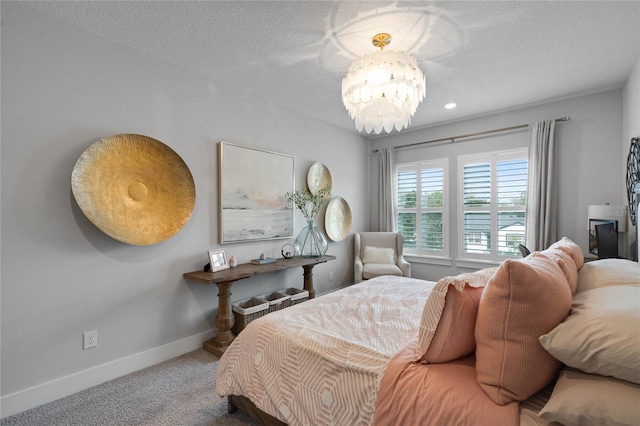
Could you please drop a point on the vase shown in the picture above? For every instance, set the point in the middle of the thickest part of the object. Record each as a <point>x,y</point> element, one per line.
<point>310,241</point>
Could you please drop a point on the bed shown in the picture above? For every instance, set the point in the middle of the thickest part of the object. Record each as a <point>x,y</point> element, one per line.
<point>488,347</point>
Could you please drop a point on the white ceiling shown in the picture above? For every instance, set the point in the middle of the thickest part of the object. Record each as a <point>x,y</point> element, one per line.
<point>485,55</point>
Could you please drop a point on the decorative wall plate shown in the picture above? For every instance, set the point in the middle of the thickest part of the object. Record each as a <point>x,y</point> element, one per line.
<point>134,188</point>
<point>318,177</point>
<point>337,219</point>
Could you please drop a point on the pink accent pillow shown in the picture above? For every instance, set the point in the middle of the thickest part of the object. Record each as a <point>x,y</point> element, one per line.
<point>525,299</point>
<point>572,249</point>
<point>449,317</point>
<point>566,264</point>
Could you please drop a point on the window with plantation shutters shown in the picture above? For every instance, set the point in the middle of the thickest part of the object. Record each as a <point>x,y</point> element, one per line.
<point>421,195</point>
<point>492,205</point>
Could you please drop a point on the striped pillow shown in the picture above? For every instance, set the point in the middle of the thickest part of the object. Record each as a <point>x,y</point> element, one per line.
<point>449,317</point>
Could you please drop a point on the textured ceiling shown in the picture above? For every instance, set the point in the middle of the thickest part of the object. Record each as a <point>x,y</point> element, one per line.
<point>485,55</point>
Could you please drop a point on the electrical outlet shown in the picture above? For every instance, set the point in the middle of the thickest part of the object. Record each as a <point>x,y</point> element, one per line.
<point>89,339</point>
<point>331,276</point>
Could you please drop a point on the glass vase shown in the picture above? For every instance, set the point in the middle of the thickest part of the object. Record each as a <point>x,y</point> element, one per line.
<point>310,241</point>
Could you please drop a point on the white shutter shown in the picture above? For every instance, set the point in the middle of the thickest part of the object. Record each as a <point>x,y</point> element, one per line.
<point>512,198</point>
<point>476,181</point>
<point>422,195</point>
<point>493,201</point>
<point>432,230</point>
<point>406,205</point>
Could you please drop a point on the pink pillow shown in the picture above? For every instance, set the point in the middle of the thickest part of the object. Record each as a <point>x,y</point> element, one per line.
<point>449,317</point>
<point>566,264</point>
<point>572,249</point>
<point>525,299</point>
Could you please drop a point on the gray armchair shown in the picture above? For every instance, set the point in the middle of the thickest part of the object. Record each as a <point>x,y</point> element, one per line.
<point>379,253</point>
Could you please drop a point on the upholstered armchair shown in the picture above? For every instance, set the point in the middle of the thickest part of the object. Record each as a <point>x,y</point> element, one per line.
<point>379,253</point>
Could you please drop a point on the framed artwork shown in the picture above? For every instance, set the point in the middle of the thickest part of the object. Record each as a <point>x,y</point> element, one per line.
<point>252,188</point>
<point>593,242</point>
<point>218,260</point>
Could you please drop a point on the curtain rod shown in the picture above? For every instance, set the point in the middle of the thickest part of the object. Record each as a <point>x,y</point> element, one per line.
<point>468,135</point>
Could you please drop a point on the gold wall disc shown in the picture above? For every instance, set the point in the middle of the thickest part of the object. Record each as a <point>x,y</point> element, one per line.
<point>134,188</point>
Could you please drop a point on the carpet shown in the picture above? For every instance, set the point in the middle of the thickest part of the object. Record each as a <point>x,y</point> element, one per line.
<point>177,392</point>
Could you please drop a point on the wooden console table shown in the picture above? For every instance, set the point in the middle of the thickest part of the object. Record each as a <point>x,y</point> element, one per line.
<point>224,280</point>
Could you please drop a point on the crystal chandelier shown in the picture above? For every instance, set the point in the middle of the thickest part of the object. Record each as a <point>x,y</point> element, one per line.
<point>383,89</point>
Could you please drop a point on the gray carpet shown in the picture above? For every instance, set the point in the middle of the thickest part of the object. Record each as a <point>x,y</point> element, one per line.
<point>177,392</point>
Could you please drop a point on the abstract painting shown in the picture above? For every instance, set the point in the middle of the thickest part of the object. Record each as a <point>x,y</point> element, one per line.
<point>252,185</point>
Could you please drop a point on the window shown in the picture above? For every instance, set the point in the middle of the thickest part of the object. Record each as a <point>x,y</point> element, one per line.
<point>421,192</point>
<point>492,205</point>
<point>474,237</point>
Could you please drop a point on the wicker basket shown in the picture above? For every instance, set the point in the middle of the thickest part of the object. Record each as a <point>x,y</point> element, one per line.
<point>247,310</point>
<point>297,295</point>
<point>277,300</point>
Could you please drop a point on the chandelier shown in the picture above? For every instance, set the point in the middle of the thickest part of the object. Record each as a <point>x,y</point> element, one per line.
<point>382,90</point>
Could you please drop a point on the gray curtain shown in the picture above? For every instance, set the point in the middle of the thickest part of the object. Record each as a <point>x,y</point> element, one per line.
<point>387,192</point>
<point>541,186</point>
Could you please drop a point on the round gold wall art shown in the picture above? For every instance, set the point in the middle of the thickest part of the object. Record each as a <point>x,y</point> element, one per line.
<point>134,188</point>
<point>337,219</point>
<point>318,177</point>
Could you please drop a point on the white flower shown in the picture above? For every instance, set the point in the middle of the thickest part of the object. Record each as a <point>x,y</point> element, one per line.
<point>309,204</point>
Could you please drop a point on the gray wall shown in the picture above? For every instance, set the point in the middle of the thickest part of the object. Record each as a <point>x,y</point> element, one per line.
<point>589,148</point>
<point>64,89</point>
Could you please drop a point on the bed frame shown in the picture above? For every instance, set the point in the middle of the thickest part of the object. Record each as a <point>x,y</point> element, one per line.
<point>243,403</point>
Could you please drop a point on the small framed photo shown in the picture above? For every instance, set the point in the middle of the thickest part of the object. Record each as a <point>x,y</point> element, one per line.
<point>218,260</point>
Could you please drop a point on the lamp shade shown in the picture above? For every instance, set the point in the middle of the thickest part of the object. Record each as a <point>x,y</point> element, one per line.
<point>609,212</point>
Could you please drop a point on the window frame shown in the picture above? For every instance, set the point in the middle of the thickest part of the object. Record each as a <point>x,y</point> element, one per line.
<point>493,158</point>
<point>419,210</point>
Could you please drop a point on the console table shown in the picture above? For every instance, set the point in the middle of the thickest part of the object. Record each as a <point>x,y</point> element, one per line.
<point>224,280</point>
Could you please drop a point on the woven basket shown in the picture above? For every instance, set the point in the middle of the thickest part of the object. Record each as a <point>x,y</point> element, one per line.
<point>297,295</point>
<point>277,300</point>
<point>247,310</point>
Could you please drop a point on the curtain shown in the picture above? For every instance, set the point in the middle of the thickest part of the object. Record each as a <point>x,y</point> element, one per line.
<point>541,187</point>
<point>387,192</point>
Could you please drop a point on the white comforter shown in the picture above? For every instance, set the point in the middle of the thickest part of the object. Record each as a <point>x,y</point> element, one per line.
<point>321,362</point>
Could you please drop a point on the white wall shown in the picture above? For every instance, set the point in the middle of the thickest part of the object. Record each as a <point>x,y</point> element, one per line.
<point>64,89</point>
<point>588,159</point>
<point>631,129</point>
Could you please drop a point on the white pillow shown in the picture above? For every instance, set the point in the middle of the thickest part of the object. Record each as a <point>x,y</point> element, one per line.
<point>379,255</point>
<point>606,272</point>
<point>601,335</point>
<point>588,399</point>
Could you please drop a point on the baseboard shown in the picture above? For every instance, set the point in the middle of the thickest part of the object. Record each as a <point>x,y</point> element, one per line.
<point>64,386</point>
